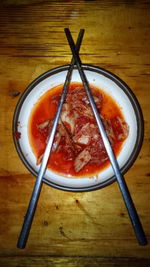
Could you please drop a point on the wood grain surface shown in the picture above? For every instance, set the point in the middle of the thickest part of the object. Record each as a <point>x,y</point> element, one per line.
<point>72,229</point>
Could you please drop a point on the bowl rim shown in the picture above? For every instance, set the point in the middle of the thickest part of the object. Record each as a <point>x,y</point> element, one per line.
<point>134,102</point>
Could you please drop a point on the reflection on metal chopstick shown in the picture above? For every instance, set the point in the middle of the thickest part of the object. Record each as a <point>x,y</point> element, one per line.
<point>120,179</point>
<point>38,184</point>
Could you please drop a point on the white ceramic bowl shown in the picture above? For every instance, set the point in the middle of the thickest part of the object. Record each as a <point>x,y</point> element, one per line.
<point>107,82</point>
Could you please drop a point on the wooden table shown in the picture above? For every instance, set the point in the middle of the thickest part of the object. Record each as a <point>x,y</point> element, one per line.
<point>72,229</point>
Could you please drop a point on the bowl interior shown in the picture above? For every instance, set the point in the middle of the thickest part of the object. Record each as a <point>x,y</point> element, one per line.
<point>106,82</point>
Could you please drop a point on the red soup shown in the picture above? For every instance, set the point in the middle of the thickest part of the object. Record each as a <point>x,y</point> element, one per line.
<point>78,149</point>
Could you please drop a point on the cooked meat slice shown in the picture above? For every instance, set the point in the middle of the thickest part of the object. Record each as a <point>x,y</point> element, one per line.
<point>86,133</point>
<point>68,117</point>
<point>56,142</point>
<point>98,152</point>
<point>83,139</point>
<point>81,160</point>
<point>83,135</point>
<point>39,159</point>
<point>83,109</point>
<point>94,132</point>
<point>98,101</point>
<point>79,94</point>
<point>109,130</point>
<point>43,124</point>
<point>44,128</point>
<point>79,102</point>
<point>125,129</point>
<point>121,128</point>
<point>69,137</point>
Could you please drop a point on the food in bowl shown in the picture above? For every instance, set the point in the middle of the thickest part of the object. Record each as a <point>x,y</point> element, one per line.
<point>78,149</point>
<point>108,85</point>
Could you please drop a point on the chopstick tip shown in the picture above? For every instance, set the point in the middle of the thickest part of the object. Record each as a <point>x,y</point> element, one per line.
<point>66,30</point>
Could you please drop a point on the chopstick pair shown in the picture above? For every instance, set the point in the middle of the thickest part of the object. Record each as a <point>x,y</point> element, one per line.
<point>137,226</point>
<point>38,184</point>
<point>121,182</point>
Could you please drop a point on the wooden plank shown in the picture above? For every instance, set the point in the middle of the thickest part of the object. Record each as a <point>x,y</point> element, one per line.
<point>72,223</point>
<point>73,262</point>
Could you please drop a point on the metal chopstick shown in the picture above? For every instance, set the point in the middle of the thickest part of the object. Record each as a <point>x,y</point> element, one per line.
<point>137,226</point>
<point>38,184</point>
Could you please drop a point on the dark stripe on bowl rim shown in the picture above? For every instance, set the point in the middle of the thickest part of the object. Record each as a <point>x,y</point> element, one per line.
<point>127,91</point>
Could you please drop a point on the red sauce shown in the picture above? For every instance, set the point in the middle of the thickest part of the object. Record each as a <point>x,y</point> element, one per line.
<point>17,135</point>
<point>45,109</point>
